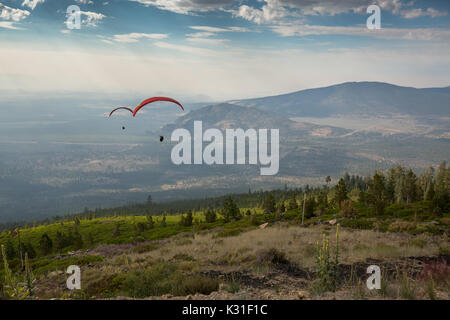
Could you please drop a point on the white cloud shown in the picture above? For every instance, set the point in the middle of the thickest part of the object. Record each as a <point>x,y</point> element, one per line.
<point>218,29</point>
<point>85,1</point>
<point>32,3</point>
<point>91,18</point>
<point>8,13</point>
<point>274,11</point>
<point>205,34</point>
<point>135,37</point>
<point>8,25</point>
<point>208,29</point>
<point>201,34</point>
<point>107,41</point>
<point>185,49</point>
<point>207,41</point>
<point>187,6</point>
<point>384,33</point>
<point>415,13</point>
<point>333,7</point>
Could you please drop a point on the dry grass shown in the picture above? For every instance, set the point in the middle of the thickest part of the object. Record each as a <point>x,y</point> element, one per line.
<point>297,243</point>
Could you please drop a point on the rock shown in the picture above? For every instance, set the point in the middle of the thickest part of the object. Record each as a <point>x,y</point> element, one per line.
<point>263,225</point>
<point>302,294</point>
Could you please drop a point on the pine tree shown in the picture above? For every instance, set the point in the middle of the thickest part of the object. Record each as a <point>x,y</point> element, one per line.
<point>45,244</point>
<point>78,241</point>
<point>269,204</point>
<point>410,186</point>
<point>376,193</point>
<point>292,205</point>
<point>210,216</point>
<point>150,222</point>
<point>116,231</point>
<point>29,249</point>
<point>163,221</point>
<point>341,192</point>
<point>310,204</point>
<point>10,250</point>
<point>230,210</point>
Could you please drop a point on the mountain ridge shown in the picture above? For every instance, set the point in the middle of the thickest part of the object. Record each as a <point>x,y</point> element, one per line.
<point>357,99</point>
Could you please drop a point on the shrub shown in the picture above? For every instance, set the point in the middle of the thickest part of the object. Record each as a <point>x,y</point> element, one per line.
<point>165,278</point>
<point>407,288</point>
<point>402,226</point>
<point>347,209</point>
<point>234,285</point>
<point>141,248</point>
<point>183,256</point>
<point>228,233</point>
<point>116,231</point>
<point>196,284</point>
<point>210,216</point>
<point>418,242</point>
<point>361,223</point>
<point>150,222</point>
<point>141,227</point>
<point>309,207</point>
<point>254,221</point>
<point>438,271</point>
<point>45,244</point>
<point>13,288</point>
<point>105,286</point>
<point>186,221</point>
<point>271,256</point>
<point>327,269</point>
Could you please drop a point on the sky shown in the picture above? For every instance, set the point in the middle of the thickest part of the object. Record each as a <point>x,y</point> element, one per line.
<point>219,49</point>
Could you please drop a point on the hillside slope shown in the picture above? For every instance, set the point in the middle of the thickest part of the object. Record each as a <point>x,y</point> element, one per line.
<point>357,98</point>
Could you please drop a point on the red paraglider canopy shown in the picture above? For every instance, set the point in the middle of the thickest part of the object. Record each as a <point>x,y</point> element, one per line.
<point>154,99</point>
<point>120,108</point>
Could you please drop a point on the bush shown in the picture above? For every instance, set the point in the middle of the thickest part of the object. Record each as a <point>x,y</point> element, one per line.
<point>165,278</point>
<point>183,257</point>
<point>327,267</point>
<point>45,244</point>
<point>141,248</point>
<point>228,233</point>
<point>186,221</point>
<point>104,286</point>
<point>197,284</point>
<point>210,216</point>
<point>254,221</point>
<point>402,226</point>
<point>419,242</point>
<point>347,209</point>
<point>362,224</point>
<point>271,256</point>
